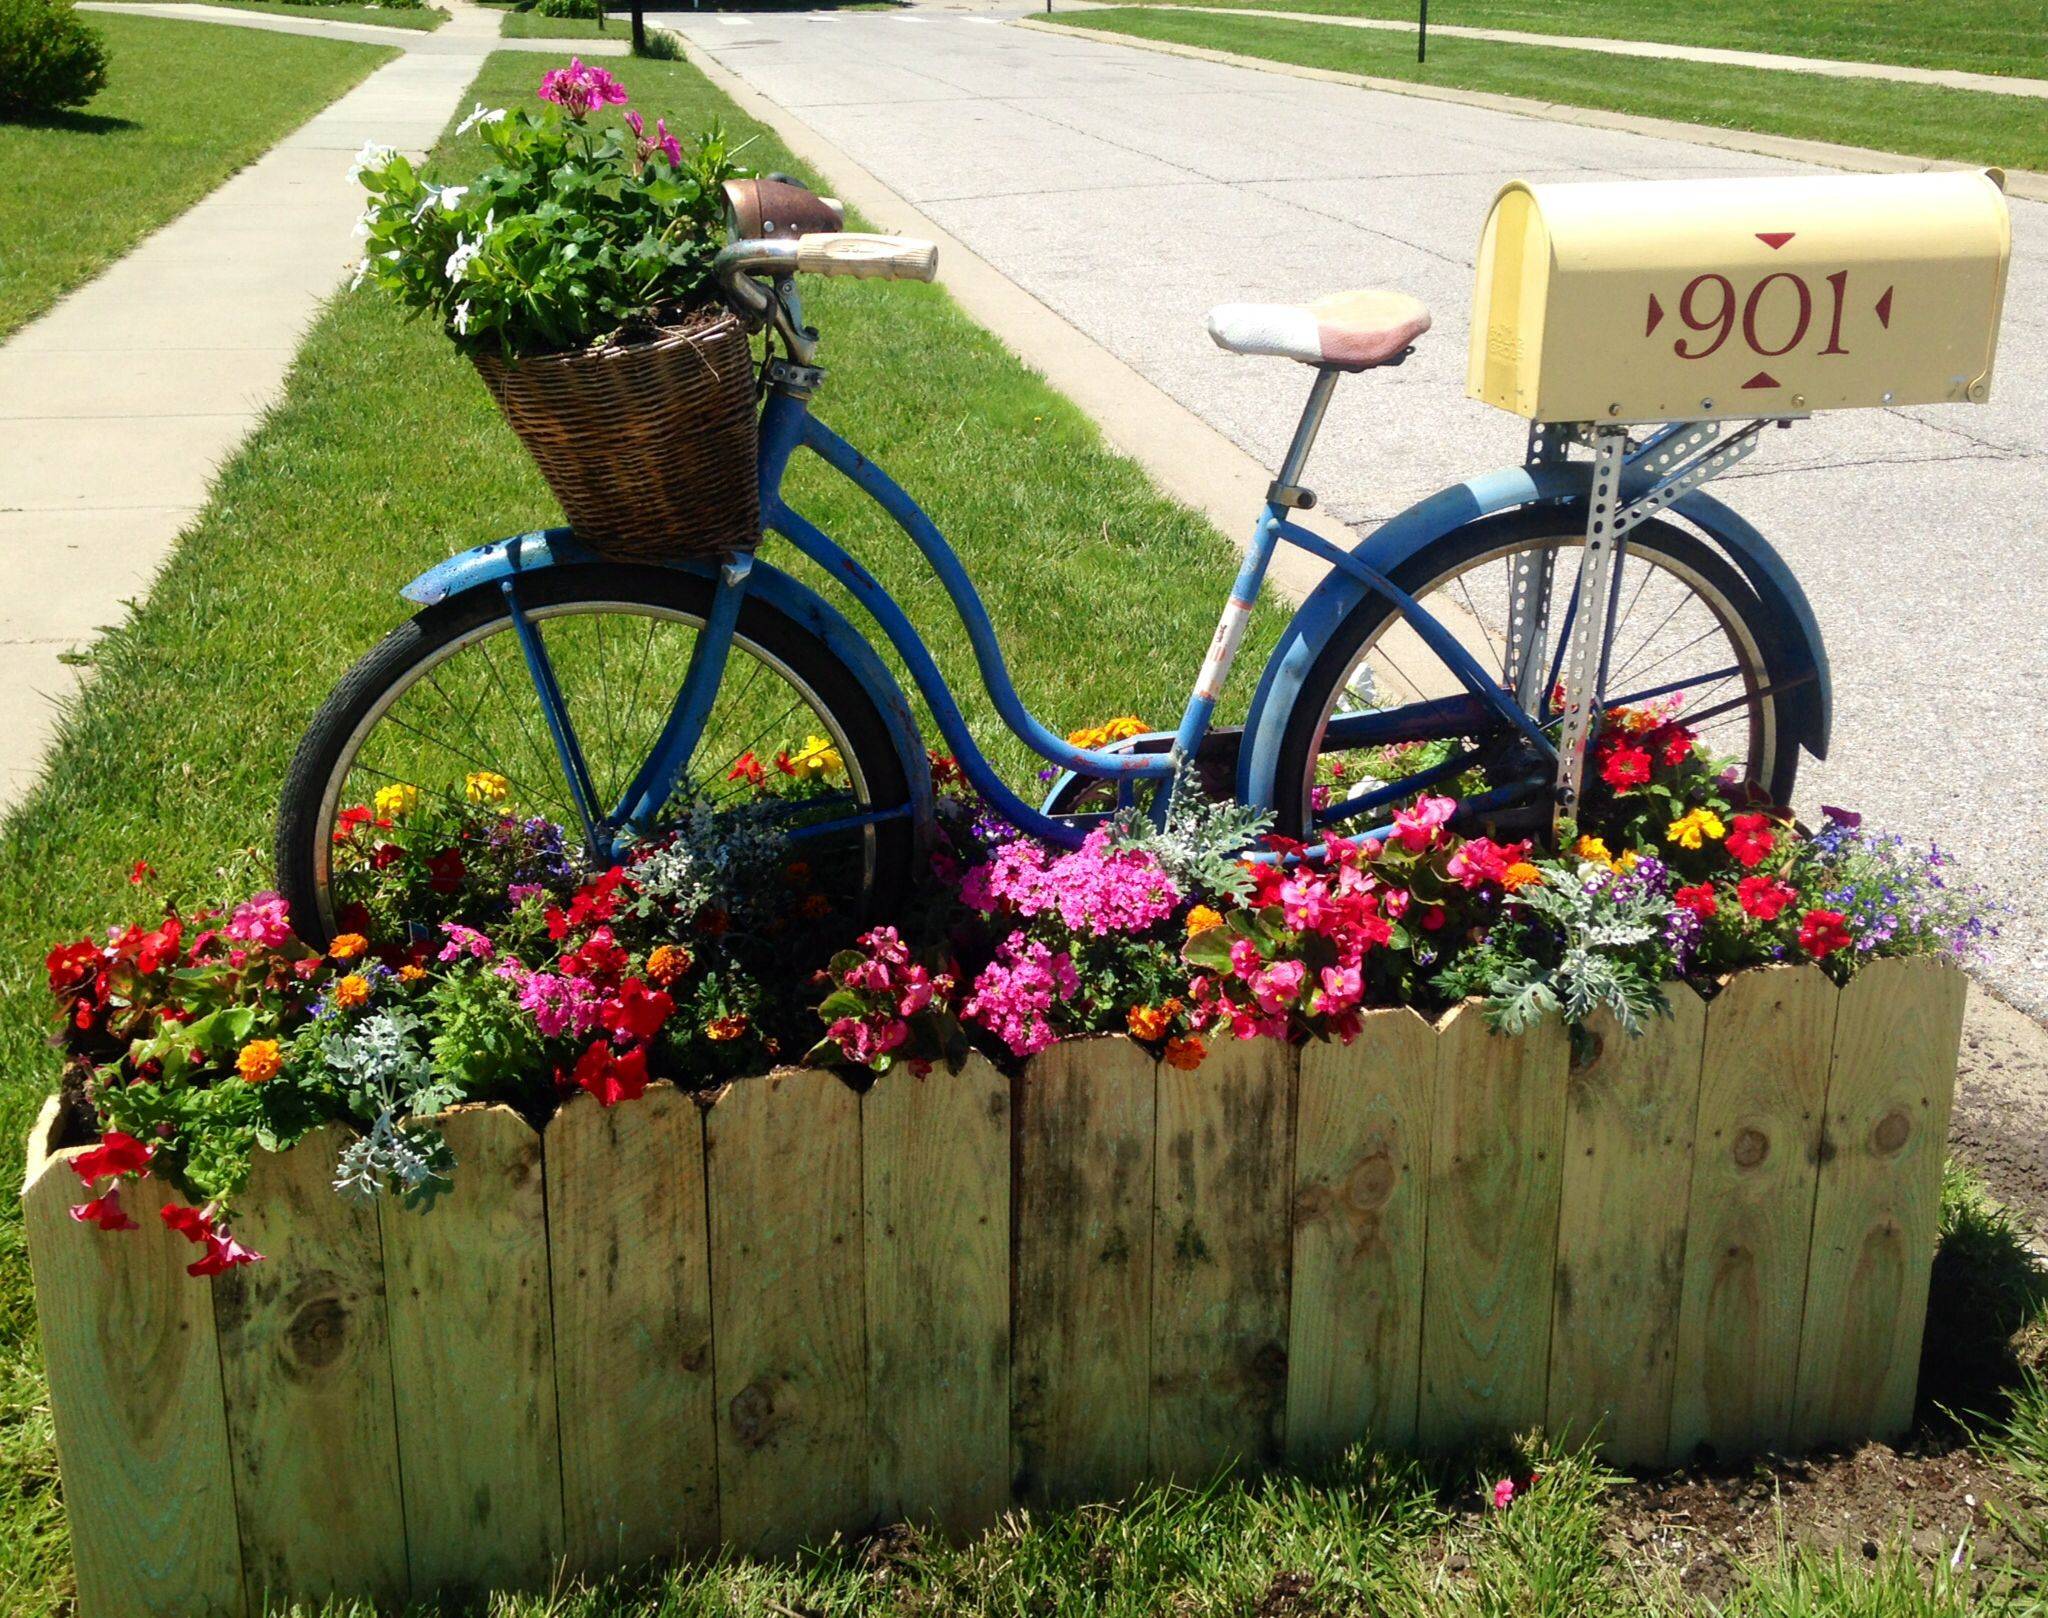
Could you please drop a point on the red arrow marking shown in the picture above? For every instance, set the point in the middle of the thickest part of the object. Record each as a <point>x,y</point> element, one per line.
<point>1775,239</point>
<point>1763,379</point>
<point>1656,314</point>
<point>1884,308</point>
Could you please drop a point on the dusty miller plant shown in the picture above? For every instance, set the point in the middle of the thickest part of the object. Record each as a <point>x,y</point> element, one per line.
<point>385,1077</point>
<point>1202,844</point>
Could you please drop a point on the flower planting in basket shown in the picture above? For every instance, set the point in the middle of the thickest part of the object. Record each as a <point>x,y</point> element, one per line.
<point>575,274</point>
<point>482,960</point>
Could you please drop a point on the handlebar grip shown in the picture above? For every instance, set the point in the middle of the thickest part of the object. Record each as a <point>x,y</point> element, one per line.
<point>891,258</point>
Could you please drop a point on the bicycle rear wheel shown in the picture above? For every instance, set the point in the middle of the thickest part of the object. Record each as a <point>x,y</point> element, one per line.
<point>1690,634</point>
<point>443,712</point>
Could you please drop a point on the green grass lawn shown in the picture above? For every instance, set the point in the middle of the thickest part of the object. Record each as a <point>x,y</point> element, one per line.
<point>1981,36</point>
<point>417,17</point>
<point>386,455</point>
<point>186,104</point>
<point>532,25</point>
<point>1923,120</point>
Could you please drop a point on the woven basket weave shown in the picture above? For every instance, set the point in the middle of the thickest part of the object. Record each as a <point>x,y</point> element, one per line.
<point>649,446</point>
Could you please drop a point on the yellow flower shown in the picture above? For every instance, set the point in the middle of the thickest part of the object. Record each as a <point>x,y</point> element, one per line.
<point>260,1059</point>
<point>1096,737</point>
<point>1521,875</point>
<point>817,757</point>
<point>396,801</point>
<point>1594,851</point>
<point>1201,919</point>
<point>412,973</point>
<point>347,946</point>
<point>1694,827</point>
<point>352,991</point>
<point>1092,738</point>
<point>486,786</point>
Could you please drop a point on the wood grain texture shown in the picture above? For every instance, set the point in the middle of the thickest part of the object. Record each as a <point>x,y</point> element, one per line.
<point>1890,1084</point>
<point>1222,1171</point>
<point>1082,1257</point>
<point>473,1364</point>
<point>782,1158</point>
<point>134,1373</point>
<point>305,1349</point>
<point>1361,1156</point>
<point>935,1170</point>
<point>1630,1110</point>
<point>631,1286</point>
<point>1763,1087</point>
<point>1496,1140</point>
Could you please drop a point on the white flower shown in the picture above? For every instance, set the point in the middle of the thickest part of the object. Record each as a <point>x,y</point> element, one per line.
<point>479,115</point>
<point>445,198</point>
<point>363,224</point>
<point>458,261</point>
<point>362,269</point>
<point>570,250</point>
<point>461,320</point>
<point>372,156</point>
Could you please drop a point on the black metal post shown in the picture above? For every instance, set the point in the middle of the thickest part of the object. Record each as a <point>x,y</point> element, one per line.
<point>639,31</point>
<point>1422,34</point>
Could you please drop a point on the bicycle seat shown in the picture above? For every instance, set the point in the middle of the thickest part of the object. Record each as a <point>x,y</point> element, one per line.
<point>1352,331</point>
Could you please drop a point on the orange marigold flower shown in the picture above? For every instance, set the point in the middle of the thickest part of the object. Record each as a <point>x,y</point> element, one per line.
<point>352,991</point>
<point>796,873</point>
<point>667,963</point>
<point>816,907</point>
<point>1201,919</point>
<point>1521,875</point>
<point>261,1059</point>
<point>1148,1022</point>
<point>1185,1052</point>
<point>412,972</point>
<point>724,1028</point>
<point>347,946</point>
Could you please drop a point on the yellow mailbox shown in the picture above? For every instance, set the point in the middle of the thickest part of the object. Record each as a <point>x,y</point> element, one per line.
<point>1633,301</point>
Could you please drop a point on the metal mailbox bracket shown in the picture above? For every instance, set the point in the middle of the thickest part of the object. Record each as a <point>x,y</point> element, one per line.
<point>1682,456</point>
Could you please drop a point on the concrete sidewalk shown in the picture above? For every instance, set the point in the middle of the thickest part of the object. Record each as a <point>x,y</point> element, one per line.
<point>119,405</point>
<point>1128,190</point>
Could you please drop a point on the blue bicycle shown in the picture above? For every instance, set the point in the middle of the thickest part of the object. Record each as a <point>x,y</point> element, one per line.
<point>624,701</point>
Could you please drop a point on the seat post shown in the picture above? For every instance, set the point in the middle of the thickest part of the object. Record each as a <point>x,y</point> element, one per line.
<point>1286,489</point>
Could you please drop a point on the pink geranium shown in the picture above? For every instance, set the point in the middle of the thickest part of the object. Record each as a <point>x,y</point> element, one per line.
<point>579,90</point>
<point>265,919</point>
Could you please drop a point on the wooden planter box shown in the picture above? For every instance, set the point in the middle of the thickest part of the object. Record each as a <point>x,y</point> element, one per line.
<point>795,1309</point>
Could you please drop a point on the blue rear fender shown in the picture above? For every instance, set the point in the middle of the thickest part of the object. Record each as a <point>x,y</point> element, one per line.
<point>1795,655</point>
<point>556,547</point>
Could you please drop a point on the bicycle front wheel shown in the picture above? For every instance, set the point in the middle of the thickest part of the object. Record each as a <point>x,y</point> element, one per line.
<point>443,716</point>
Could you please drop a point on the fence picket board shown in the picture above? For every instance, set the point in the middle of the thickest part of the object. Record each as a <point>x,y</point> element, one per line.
<point>1361,1153</point>
<point>782,1159</point>
<point>1762,1091</point>
<point>1082,1267</point>
<point>935,1170</point>
<point>1222,1170</point>
<point>631,1290</point>
<point>1627,1172</point>
<point>135,1392</point>
<point>473,1364</point>
<point>1496,1140</point>
<point>1891,1080</point>
<point>305,1348</point>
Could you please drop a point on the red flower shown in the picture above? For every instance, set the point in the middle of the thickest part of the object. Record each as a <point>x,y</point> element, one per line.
<point>157,950</point>
<point>748,769</point>
<point>1699,899</point>
<point>1673,744</point>
<point>223,1252</point>
<point>189,1223</point>
<point>445,870</point>
<point>348,820</point>
<point>140,872</point>
<point>1821,933</point>
<point>637,1012</point>
<point>105,1211</point>
<point>1750,839</point>
<point>594,901</point>
<point>72,966</point>
<point>1764,896</point>
<point>385,855</point>
<point>598,958</point>
<point>1626,765</point>
<point>610,1077</point>
<point>116,1155</point>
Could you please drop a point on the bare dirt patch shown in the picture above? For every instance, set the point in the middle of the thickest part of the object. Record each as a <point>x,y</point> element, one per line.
<point>2001,1117</point>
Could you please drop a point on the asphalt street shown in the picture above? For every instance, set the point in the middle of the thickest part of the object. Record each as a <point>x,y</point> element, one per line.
<point>1130,190</point>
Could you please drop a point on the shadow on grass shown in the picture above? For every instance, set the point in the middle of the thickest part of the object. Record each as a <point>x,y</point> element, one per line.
<point>74,123</point>
<point>1987,1309</point>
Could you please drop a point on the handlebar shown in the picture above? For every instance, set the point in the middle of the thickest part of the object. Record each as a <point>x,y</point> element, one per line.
<point>739,267</point>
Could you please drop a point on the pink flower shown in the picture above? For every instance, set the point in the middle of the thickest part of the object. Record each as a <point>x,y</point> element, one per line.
<point>1016,989</point>
<point>464,942</point>
<point>667,144</point>
<point>265,920</point>
<point>1342,989</point>
<point>1416,829</point>
<point>1277,988</point>
<point>223,1252</point>
<point>578,90</point>
<point>1093,889</point>
<point>561,1005</point>
<point>1503,1494</point>
<point>864,1039</point>
<point>1302,901</point>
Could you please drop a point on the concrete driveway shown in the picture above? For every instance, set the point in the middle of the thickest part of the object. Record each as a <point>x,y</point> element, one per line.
<point>1129,190</point>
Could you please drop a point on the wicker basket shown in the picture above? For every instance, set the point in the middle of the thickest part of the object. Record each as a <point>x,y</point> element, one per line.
<point>648,446</point>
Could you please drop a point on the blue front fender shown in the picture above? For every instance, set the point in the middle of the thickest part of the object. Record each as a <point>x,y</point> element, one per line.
<point>1796,657</point>
<point>557,547</point>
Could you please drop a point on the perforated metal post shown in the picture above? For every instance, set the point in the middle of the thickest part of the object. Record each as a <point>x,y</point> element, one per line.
<point>1529,586</point>
<point>1583,659</point>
